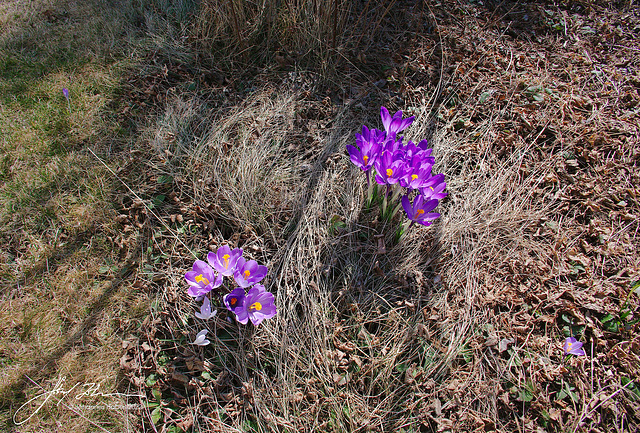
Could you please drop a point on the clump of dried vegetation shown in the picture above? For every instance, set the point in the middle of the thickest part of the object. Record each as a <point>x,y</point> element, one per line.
<point>532,113</point>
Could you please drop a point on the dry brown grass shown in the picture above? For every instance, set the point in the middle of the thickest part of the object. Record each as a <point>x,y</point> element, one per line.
<point>355,329</point>
<point>454,328</point>
<point>245,32</point>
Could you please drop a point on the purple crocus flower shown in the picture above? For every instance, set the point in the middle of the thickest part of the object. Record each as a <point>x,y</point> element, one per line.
<point>419,211</point>
<point>394,124</point>
<point>417,172</point>
<point>573,347</point>
<point>225,260</point>
<point>248,272</point>
<point>391,145</point>
<point>369,143</point>
<point>390,168</point>
<point>415,178</point>
<point>65,92</point>
<point>202,279</point>
<point>257,306</point>
<point>433,187</point>
<point>235,299</point>
<point>420,150</point>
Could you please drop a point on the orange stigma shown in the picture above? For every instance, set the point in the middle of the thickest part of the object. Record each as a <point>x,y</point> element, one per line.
<point>201,279</point>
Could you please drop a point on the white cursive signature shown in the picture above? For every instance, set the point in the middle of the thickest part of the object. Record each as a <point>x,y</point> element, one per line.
<point>90,389</point>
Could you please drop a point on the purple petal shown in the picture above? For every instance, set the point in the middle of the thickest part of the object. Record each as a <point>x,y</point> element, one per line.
<point>356,156</point>
<point>205,310</point>
<point>386,118</point>
<point>197,291</point>
<point>428,206</point>
<point>406,205</point>
<point>242,315</point>
<point>235,299</point>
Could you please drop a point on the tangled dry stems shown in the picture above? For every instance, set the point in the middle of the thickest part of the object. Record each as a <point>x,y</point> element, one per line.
<point>341,303</point>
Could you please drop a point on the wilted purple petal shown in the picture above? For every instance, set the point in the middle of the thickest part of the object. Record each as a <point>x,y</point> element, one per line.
<point>205,310</point>
<point>201,338</point>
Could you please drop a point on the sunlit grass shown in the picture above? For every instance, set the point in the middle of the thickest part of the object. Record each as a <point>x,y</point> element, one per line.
<point>60,314</point>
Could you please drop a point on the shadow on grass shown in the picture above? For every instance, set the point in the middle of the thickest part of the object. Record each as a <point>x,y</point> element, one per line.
<point>37,47</point>
<point>44,368</point>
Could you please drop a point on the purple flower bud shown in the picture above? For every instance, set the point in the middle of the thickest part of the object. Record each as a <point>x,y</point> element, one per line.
<point>205,310</point>
<point>65,92</point>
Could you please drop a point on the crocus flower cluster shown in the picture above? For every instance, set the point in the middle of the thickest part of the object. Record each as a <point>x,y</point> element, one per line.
<point>399,168</point>
<point>207,277</point>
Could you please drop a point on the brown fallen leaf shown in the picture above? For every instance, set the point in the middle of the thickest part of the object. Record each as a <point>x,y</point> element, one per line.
<point>504,344</point>
<point>179,377</point>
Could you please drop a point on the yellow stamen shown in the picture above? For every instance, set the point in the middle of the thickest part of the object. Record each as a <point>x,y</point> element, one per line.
<point>233,302</point>
<point>201,279</point>
<point>414,176</point>
<point>226,260</point>
<point>256,306</point>
<point>365,159</point>
<point>431,188</point>
<point>419,212</point>
<point>389,172</point>
<point>246,274</point>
